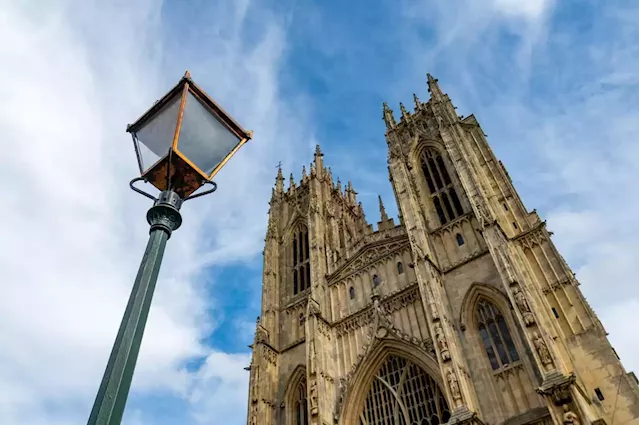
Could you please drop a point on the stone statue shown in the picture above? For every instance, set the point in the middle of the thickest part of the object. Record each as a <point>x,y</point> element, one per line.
<point>523,306</point>
<point>453,385</point>
<point>442,342</point>
<point>312,357</point>
<point>569,418</point>
<point>541,348</point>
<point>313,397</point>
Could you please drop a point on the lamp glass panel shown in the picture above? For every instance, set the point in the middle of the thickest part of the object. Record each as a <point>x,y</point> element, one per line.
<point>156,135</point>
<point>204,140</point>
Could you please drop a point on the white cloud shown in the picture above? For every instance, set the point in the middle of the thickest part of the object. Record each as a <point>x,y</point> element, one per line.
<point>527,9</point>
<point>73,75</point>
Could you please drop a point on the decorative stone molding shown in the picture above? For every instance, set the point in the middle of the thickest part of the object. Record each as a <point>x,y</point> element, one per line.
<point>389,304</point>
<point>269,354</point>
<point>366,256</point>
<point>557,387</point>
<point>395,232</point>
<point>532,237</point>
<point>324,328</point>
<point>465,218</point>
<point>508,370</point>
<point>400,299</point>
<point>568,280</point>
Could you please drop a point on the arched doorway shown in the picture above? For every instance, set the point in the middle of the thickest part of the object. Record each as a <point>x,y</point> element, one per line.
<point>402,393</point>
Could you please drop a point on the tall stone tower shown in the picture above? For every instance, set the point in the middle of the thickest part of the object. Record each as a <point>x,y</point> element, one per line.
<point>463,312</point>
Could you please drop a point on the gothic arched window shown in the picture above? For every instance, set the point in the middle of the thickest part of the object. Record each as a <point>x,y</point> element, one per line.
<point>459,239</point>
<point>403,393</point>
<point>352,293</point>
<point>495,335</point>
<point>376,280</point>
<point>300,406</point>
<point>300,253</point>
<point>400,268</point>
<point>443,193</point>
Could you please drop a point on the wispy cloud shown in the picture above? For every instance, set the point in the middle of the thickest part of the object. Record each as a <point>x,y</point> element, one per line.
<point>74,74</point>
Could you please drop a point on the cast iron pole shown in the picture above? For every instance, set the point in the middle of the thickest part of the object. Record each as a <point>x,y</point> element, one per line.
<point>108,408</point>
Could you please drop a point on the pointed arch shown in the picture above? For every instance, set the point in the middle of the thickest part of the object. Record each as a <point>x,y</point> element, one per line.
<point>295,397</point>
<point>297,254</point>
<point>360,384</point>
<point>438,180</point>
<point>470,300</point>
<point>486,312</point>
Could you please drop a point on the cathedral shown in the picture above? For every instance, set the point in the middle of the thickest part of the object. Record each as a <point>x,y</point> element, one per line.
<point>463,312</point>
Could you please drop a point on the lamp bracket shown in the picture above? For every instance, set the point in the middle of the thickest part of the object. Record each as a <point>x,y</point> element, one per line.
<point>206,192</point>
<point>141,192</point>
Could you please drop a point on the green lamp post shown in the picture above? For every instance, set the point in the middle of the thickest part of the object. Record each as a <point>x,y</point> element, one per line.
<point>181,143</point>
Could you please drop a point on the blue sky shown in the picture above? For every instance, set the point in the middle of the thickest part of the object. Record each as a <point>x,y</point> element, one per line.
<point>553,83</point>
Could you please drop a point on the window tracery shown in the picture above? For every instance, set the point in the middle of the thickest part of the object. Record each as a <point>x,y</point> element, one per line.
<point>442,192</point>
<point>300,406</point>
<point>495,335</point>
<point>402,393</point>
<point>300,254</point>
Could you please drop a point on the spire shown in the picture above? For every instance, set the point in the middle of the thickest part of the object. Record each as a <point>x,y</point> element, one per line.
<point>405,113</point>
<point>292,183</point>
<point>351,194</point>
<point>317,157</point>
<point>434,88</point>
<point>338,185</point>
<point>383,213</point>
<point>279,180</point>
<point>387,116</point>
<point>304,173</point>
<point>416,101</point>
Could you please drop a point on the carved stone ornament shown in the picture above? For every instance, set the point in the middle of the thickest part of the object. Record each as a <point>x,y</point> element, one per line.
<point>454,387</point>
<point>254,414</point>
<point>313,308</point>
<point>523,306</point>
<point>569,417</point>
<point>313,397</point>
<point>367,257</point>
<point>269,355</point>
<point>262,335</point>
<point>312,357</point>
<point>541,348</point>
<point>557,387</point>
<point>417,249</point>
<point>442,342</point>
<point>254,382</point>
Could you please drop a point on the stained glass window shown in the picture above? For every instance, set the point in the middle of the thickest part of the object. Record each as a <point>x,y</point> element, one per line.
<point>301,414</point>
<point>403,394</point>
<point>495,335</point>
<point>300,254</point>
<point>443,194</point>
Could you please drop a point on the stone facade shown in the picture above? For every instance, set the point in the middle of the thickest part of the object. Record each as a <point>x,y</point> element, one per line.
<point>463,312</point>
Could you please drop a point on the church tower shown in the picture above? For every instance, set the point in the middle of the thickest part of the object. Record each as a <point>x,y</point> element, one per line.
<point>463,312</point>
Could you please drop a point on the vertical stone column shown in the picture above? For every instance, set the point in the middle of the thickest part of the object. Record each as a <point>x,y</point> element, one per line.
<point>557,382</point>
<point>320,371</point>
<point>458,386</point>
<point>262,381</point>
